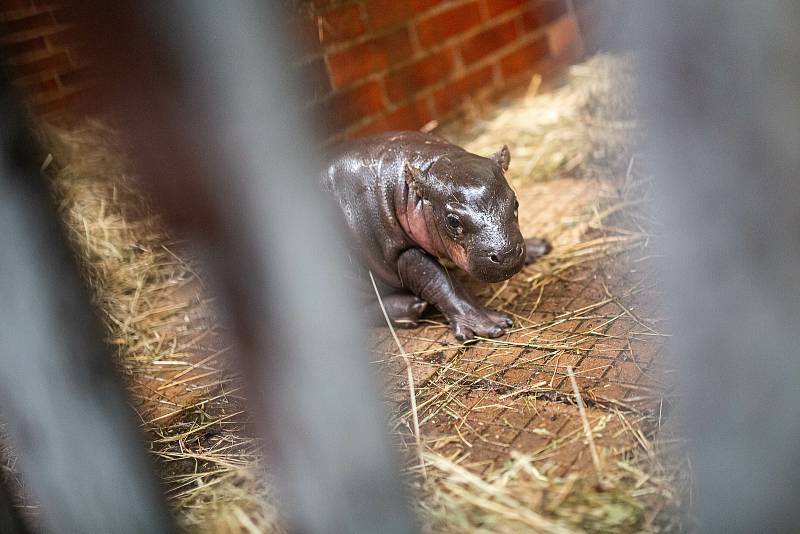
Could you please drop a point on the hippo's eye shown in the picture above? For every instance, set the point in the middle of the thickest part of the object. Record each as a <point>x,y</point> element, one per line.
<point>516,207</point>
<point>454,223</point>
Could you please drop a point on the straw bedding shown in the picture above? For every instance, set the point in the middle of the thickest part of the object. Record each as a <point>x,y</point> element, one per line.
<point>506,446</point>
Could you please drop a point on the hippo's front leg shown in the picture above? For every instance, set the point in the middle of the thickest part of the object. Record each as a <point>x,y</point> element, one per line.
<point>426,278</point>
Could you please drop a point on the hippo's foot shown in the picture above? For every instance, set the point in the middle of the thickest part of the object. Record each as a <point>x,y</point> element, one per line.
<point>536,247</point>
<point>403,309</point>
<point>425,277</point>
<point>479,321</point>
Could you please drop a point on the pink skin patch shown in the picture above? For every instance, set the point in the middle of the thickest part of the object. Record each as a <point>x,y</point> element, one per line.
<point>414,223</point>
<point>457,255</point>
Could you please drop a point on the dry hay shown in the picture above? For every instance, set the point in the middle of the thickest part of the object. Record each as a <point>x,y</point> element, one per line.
<point>582,128</point>
<point>156,316</point>
<point>511,470</point>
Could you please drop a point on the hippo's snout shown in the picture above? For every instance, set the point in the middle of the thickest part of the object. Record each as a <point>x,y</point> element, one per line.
<point>508,256</point>
<point>495,265</point>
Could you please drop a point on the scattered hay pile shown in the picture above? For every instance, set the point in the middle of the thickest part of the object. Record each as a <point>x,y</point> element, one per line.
<point>155,313</point>
<point>157,316</point>
<point>575,146</point>
<point>129,262</point>
<point>583,128</point>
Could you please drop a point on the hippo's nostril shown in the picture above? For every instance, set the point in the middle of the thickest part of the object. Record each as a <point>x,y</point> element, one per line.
<point>520,250</point>
<point>493,258</point>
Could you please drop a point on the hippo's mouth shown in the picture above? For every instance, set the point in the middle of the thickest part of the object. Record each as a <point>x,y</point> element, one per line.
<point>487,271</point>
<point>482,266</point>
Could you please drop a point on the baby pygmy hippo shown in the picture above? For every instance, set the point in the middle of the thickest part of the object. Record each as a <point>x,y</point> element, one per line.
<point>409,198</point>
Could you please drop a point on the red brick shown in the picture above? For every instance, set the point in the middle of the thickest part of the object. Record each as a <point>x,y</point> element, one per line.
<point>410,79</point>
<point>358,61</point>
<point>9,5</point>
<point>349,107</point>
<point>339,24</point>
<point>32,22</point>
<point>495,7</point>
<point>63,16</point>
<point>315,76</point>
<point>72,103</point>
<point>543,13</point>
<point>441,26</point>
<point>488,41</point>
<point>77,76</point>
<point>385,13</point>
<point>64,38</point>
<point>563,36</point>
<point>452,95</point>
<point>48,3</point>
<point>418,6</point>
<point>25,47</point>
<point>409,117</point>
<point>58,62</point>
<point>524,58</point>
<point>38,87</point>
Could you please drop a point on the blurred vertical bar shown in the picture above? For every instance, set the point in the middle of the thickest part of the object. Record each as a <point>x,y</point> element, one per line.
<point>325,424</point>
<point>206,95</point>
<point>59,395</point>
<point>720,94</point>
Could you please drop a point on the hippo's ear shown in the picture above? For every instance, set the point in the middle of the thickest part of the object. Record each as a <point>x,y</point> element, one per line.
<point>415,180</point>
<point>502,157</point>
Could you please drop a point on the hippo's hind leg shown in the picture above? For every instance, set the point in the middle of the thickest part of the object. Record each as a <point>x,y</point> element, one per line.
<point>536,247</point>
<point>403,309</point>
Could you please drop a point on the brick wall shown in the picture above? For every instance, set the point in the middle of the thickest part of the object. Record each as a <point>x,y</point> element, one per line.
<point>397,64</point>
<point>371,65</point>
<point>44,55</point>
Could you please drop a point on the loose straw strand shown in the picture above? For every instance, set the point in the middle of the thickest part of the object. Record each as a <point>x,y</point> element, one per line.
<point>587,429</point>
<point>411,389</point>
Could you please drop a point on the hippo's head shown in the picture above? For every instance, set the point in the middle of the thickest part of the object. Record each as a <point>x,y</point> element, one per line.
<point>473,212</point>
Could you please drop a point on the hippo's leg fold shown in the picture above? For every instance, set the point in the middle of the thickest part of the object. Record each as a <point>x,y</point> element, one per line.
<point>427,279</point>
<point>536,247</point>
<point>403,309</point>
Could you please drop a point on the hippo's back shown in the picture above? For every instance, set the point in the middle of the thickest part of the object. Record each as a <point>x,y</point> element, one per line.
<point>382,151</point>
<point>362,176</point>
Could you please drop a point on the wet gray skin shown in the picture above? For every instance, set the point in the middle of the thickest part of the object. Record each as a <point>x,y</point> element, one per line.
<point>410,199</point>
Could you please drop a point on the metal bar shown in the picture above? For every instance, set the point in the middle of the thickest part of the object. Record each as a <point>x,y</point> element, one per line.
<point>208,99</point>
<point>10,520</point>
<point>720,87</point>
<point>63,404</point>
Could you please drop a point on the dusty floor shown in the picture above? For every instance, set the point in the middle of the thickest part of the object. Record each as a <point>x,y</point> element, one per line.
<point>592,306</point>
<point>483,404</point>
<point>513,393</point>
